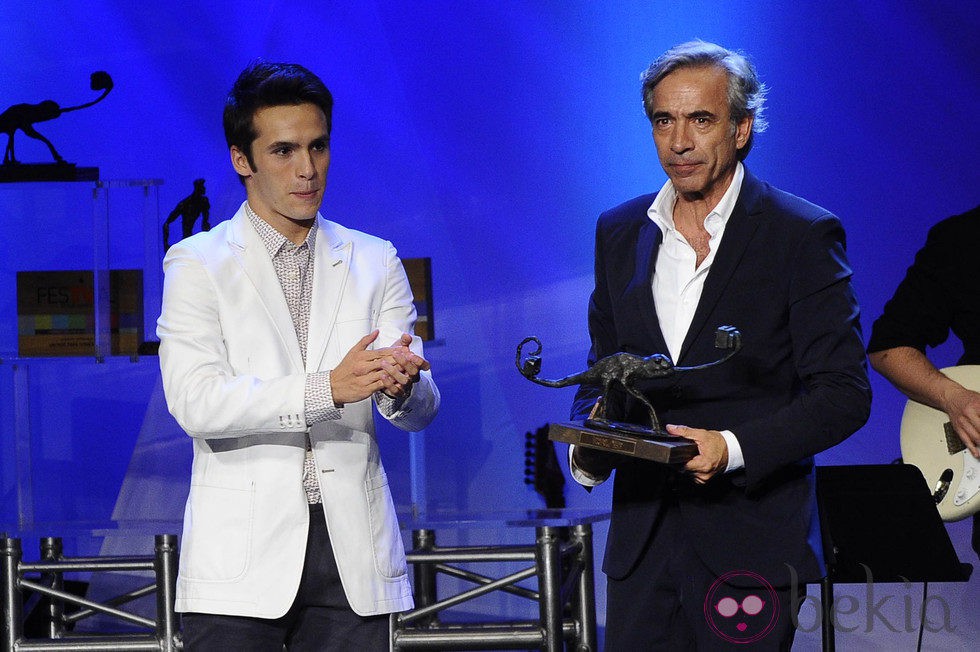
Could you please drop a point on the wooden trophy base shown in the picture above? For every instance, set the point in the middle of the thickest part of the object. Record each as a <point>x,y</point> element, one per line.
<point>662,448</point>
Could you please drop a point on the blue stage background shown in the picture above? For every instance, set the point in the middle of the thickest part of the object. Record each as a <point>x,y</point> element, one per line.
<point>487,136</point>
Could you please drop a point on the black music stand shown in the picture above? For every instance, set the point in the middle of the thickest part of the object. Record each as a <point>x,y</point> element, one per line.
<point>880,517</point>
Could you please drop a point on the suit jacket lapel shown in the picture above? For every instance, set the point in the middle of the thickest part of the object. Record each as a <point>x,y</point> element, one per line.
<point>331,265</point>
<point>640,289</point>
<point>739,230</point>
<point>254,259</point>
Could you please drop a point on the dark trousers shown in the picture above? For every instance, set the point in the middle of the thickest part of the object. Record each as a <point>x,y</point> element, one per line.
<point>319,620</point>
<point>671,601</point>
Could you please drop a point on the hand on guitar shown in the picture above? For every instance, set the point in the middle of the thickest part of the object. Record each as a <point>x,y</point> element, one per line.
<point>915,376</point>
<point>940,438</point>
<point>963,407</point>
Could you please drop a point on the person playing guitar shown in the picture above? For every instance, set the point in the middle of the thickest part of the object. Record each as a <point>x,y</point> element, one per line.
<point>939,295</point>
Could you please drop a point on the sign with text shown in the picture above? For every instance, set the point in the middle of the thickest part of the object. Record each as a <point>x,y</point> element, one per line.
<point>56,312</point>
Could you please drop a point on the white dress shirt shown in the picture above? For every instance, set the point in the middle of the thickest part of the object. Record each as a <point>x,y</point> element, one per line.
<point>677,284</point>
<point>678,281</point>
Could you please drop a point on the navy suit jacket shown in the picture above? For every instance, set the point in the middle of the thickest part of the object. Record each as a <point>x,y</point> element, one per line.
<point>798,386</point>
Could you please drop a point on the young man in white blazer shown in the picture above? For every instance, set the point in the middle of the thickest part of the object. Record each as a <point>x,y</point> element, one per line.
<point>272,348</point>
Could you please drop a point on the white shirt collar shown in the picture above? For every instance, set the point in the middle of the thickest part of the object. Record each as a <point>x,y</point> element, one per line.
<point>662,209</point>
<point>273,240</point>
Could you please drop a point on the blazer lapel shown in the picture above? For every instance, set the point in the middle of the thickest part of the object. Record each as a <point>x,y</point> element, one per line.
<point>251,254</point>
<point>639,292</point>
<point>331,265</point>
<point>741,226</point>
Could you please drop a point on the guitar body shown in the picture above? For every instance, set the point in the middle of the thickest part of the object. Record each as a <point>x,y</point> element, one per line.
<point>929,442</point>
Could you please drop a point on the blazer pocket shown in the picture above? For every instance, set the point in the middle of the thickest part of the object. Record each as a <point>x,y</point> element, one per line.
<point>389,553</point>
<point>217,533</point>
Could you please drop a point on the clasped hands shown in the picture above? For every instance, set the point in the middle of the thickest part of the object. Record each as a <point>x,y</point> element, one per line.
<point>364,371</point>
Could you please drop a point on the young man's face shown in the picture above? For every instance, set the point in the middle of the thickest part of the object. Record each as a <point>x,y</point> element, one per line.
<point>292,154</point>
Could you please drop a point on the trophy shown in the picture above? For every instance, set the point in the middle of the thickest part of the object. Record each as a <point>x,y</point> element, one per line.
<point>624,369</point>
<point>24,118</point>
<point>188,209</point>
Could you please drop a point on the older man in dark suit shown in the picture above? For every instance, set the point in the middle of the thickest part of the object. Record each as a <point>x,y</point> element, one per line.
<point>714,554</point>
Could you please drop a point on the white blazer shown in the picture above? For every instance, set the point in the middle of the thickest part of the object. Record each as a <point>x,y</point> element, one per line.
<point>234,379</point>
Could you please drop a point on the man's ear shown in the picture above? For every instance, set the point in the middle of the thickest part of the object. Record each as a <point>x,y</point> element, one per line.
<point>239,161</point>
<point>742,132</point>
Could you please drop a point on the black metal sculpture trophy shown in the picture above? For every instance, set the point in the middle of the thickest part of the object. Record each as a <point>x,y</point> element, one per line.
<point>624,369</point>
<point>23,117</point>
<point>188,209</point>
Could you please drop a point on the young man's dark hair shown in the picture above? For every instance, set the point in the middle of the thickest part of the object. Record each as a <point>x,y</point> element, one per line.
<point>264,84</point>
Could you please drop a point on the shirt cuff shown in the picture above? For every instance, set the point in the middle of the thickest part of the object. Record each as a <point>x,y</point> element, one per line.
<point>735,459</point>
<point>388,405</point>
<point>579,475</point>
<point>318,399</point>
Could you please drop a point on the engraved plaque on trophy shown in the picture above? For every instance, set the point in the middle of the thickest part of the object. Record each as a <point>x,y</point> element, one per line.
<point>625,370</point>
<point>666,450</point>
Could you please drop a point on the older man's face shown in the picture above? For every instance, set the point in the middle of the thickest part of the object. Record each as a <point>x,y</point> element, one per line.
<point>692,129</point>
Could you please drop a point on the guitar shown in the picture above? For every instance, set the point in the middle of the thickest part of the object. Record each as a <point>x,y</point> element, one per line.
<point>542,469</point>
<point>929,442</point>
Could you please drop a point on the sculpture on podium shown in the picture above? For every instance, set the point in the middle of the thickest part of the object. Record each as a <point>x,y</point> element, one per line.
<point>23,117</point>
<point>188,209</point>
